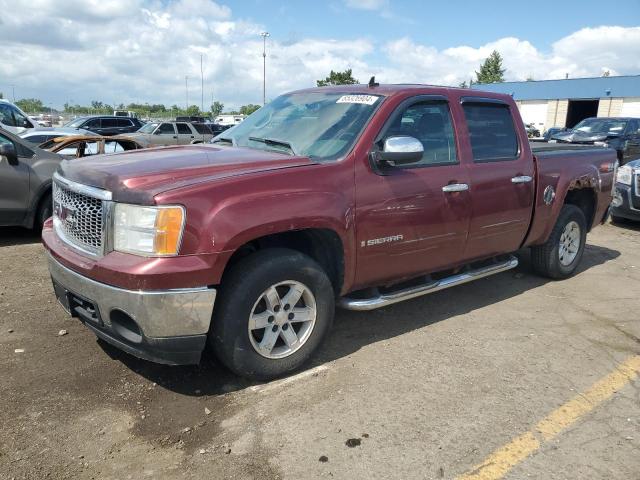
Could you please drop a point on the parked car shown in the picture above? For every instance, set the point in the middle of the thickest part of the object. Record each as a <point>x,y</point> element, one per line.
<point>552,131</point>
<point>86,146</point>
<point>14,120</point>
<point>156,134</point>
<point>37,136</point>
<point>25,182</point>
<point>621,134</point>
<point>358,195</point>
<point>192,118</point>
<point>106,125</point>
<point>217,129</point>
<point>626,198</point>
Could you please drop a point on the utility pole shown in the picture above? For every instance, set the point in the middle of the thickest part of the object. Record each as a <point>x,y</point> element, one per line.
<point>13,91</point>
<point>264,36</point>
<point>186,90</point>
<point>201,86</point>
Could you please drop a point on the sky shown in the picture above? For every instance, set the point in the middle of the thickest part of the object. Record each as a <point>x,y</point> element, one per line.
<point>121,51</point>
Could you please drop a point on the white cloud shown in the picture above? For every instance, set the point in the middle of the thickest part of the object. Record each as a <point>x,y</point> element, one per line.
<point>141,50</point>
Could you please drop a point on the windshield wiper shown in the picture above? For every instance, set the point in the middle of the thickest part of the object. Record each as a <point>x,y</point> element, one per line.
<point>273,141</point>
<point>224,140</point>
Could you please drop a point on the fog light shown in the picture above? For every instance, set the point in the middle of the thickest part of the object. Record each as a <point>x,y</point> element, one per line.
<point>617,199</point>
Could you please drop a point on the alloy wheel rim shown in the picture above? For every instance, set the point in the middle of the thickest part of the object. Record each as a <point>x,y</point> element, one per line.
<point>569,243</point>
<point>282,319</point>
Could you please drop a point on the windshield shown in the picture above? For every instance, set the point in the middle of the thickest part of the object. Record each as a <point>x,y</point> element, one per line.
<point>148,128</point>
<point>603,126</point>
<point>322,126</point>
<point>75,123</point>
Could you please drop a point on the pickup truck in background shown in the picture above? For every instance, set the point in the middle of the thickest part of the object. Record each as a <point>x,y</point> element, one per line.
<point>358,195</point>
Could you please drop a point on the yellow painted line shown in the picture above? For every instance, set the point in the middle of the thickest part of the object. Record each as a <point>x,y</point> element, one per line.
<point>502,460</point>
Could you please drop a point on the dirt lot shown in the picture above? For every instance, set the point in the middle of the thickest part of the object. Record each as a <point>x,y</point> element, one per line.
<point>424,389</point>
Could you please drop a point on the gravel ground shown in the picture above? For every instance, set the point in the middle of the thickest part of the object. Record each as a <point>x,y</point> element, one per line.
<point>423,389</point>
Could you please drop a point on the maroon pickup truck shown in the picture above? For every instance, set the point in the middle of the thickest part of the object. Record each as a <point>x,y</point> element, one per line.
<point>360,196</point>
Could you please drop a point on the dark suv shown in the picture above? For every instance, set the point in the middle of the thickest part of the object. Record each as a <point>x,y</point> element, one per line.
<point>107,125</point>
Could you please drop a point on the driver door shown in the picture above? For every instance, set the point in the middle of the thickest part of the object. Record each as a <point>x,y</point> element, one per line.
<point>14,185</point>
<point>409,219</point>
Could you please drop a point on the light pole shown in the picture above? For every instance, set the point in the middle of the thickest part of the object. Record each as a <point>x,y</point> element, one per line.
<point>264,36</point>
<point>186,91</point>
<point>201,86</point>
<point>13,91</point>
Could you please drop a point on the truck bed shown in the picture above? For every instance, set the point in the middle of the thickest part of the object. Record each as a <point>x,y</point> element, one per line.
<point>560,147</point>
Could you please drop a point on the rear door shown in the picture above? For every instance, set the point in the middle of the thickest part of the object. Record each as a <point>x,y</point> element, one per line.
<point>185,135</point>
<point>501,174</point>
<point>413,219</point>
<point>632,147</point>
<point>14,185</point>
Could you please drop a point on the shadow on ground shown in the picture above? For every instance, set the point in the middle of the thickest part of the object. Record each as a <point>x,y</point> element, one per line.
<point>10,236</point>
<point>353,330</point>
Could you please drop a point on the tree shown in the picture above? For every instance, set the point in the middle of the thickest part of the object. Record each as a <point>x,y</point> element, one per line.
<point>217,108</point>
<point>1,95</point>
<point>338,78</point>
<point>31,105</point>
<point>491,70</point>
<point>248,109</point>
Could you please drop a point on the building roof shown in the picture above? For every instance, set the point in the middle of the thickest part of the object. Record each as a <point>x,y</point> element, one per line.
<point>596,87</point>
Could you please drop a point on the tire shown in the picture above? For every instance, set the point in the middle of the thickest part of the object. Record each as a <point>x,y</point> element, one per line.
<point>617,220</point>
<point>45,210</point>
<point>242,294</point>
<point>552,261</point>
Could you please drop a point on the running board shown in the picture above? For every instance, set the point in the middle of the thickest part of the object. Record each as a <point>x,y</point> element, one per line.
<point>384,299</point>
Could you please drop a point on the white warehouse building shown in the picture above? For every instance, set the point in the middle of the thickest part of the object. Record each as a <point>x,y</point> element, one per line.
<point>563,103</point>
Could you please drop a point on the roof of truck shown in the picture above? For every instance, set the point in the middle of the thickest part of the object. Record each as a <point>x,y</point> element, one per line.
<point>393,89</point>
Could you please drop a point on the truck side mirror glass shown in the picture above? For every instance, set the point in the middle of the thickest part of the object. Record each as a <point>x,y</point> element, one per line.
<point>8,150</point>
<point>400,150</point>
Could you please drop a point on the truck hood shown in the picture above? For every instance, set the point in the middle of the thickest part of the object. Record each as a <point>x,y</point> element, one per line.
<point>138,176</point>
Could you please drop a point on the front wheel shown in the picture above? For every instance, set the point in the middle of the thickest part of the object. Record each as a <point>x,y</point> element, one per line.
<point>560,256</point>
<point>276,307</point>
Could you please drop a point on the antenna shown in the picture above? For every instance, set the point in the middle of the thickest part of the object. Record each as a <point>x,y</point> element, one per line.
<point>373,83</point>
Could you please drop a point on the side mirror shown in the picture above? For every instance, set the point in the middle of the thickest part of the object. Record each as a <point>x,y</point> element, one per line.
<point>400,151</point>
<point>9,150</point>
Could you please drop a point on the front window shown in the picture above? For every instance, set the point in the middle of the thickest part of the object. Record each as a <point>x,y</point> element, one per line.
<point>75,123</point>
<point>601,126</point>
<point>322,126</point>
<point>148,128</point>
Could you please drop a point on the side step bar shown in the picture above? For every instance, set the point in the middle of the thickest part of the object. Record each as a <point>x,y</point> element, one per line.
<point>384,299</point>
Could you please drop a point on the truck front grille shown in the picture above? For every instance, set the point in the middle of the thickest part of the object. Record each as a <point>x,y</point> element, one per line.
<point>78,218</point>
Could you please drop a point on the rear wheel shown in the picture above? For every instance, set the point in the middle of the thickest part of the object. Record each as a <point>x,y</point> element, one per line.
<point>275,309</point>
<point>560,256</point>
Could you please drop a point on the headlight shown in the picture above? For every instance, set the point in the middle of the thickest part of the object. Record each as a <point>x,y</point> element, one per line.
<point>624,175</point>
<point>148,231</point>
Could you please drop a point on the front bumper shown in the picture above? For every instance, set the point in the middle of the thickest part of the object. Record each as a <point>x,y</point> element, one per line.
<point>625,202</point>
<point>163,326</point>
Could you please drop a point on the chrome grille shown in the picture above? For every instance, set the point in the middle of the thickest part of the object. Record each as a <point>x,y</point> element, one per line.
<point>78,218</point>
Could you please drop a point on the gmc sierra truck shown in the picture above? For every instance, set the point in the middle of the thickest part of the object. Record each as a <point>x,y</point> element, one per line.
<point>359,195</point>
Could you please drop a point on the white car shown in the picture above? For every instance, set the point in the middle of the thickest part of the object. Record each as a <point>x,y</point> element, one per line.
<point>13,119</point>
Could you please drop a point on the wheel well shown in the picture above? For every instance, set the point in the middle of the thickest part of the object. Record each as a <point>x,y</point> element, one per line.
<point>323,245</point>
<point>585,200</point>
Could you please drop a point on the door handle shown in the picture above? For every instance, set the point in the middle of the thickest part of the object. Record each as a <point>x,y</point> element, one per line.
<point>521,179</point>
<point>455,187</point>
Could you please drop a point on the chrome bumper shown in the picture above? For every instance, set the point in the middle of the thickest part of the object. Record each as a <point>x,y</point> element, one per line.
<point>158,313</point>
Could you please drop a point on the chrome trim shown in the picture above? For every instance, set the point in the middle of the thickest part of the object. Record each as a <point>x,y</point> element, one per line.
<point>382,300</point>
<point>521,179</point>
<point>455,187</point>
<point>94,192</point>
<point>159,313</point>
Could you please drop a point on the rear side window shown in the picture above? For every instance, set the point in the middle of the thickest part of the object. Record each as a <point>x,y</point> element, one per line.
<point>183,129</point>
<point>491,131</point>
<point>6,115</point>
<point>201,128</point>
<point>110,122</point>
<point>123,122</point>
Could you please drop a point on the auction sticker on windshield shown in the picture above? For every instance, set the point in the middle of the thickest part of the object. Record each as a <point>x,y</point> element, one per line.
<point>362,99</point>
